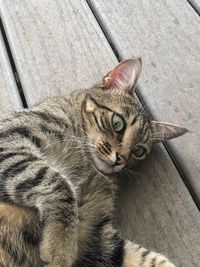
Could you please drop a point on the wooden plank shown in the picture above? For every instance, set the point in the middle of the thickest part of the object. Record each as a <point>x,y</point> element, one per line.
<point>9,97</point>
<point>57,48</point>
<point>157,211</point>
<point>195,4</point>
<point>63,47</point>
<point>166,34</point>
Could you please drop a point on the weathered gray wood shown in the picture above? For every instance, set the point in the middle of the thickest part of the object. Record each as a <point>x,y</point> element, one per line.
<point>166,34</point>
<point>154,209</point>
<point>196,5</point>
<point>63,47</point>
<point>54,44</point>
<point>9,97</point>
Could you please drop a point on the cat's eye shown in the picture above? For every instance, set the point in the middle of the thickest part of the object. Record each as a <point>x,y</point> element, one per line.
<point>117,123</point>
<point>139,151</point>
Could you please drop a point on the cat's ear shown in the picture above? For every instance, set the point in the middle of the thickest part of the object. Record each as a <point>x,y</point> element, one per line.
<point>162,131</point>
<point>124,76</point>
<point>89,104</point>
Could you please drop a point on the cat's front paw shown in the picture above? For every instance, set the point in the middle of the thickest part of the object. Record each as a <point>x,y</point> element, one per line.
<point>54,257</point>
<point>56,248</point>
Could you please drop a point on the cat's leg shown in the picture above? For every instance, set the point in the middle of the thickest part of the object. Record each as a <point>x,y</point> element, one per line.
<point>137,256</point>
<point>41,187</point>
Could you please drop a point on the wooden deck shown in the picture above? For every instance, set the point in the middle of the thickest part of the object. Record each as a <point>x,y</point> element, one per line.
<point>51,47</point>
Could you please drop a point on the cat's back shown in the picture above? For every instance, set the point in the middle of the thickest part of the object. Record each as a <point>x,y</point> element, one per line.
<point>49,131</point>
<point>42,118</point>
<point>29,131</point>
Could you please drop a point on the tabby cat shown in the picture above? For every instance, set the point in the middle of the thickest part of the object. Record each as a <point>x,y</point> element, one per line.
<point>58,166</point>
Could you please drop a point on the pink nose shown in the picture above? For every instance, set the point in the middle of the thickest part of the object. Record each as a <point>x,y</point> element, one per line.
<point>120,160</point>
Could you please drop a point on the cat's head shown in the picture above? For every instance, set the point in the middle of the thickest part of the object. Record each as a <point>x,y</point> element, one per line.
<point>119,132</point>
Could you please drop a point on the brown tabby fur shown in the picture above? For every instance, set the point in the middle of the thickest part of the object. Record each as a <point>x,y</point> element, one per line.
<point>58,163</point>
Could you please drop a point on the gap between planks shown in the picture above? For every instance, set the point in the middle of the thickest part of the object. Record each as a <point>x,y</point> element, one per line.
<point>195,4</point>
<point>13,66</point>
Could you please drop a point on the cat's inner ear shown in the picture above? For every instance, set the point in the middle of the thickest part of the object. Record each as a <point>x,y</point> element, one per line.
<point>89,104</point>
<point>162,131</point>
<point>124,76</point>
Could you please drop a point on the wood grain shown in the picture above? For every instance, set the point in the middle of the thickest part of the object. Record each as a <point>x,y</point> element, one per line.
<point>9,97</point>
<point>166,34</point>
<point>55,45</point>
<point>63,48</point>
<point>154,209</point>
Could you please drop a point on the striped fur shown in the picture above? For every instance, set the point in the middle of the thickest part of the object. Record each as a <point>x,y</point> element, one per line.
<point>57,183</point>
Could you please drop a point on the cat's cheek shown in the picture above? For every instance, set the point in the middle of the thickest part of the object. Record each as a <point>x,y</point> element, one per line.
<point>101,166</point>
<point>133,162</point>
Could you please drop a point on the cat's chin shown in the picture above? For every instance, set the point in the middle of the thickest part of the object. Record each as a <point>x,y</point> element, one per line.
<point>105,167</point>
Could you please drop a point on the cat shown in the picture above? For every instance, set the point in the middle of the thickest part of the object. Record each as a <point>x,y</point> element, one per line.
<point>58,167</point>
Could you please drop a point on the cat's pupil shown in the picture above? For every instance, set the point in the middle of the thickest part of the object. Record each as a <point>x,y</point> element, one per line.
<point>117,124</point>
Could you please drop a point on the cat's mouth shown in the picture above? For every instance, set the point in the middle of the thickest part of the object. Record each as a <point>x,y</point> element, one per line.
<point>104,165</point>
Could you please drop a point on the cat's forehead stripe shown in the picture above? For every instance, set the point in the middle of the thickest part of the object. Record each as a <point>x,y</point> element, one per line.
<point>126,111</point>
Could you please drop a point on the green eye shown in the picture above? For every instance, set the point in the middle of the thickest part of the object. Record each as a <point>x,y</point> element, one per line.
<point>117,123</point>
<point>139,151</point>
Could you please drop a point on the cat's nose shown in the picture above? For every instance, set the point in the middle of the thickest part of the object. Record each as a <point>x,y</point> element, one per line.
<point>120,160</point>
